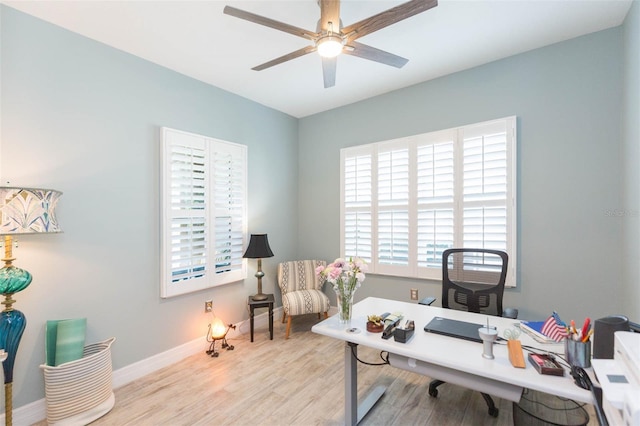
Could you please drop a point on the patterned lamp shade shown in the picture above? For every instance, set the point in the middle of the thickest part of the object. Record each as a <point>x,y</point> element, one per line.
<point>28,210</point>
<point>24,211</point>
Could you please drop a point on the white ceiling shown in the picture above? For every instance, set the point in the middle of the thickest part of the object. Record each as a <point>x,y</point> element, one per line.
<point>196,39</point>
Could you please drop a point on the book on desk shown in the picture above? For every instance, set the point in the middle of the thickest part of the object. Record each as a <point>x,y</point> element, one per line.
<point>534,329</point>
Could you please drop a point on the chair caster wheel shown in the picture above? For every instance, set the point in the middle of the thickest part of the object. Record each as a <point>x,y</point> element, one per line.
<point>493,412</point>
<point>433,392</point>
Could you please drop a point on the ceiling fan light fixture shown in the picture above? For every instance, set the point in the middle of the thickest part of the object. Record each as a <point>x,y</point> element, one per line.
<point>330,37</point>
<point>330,46</point>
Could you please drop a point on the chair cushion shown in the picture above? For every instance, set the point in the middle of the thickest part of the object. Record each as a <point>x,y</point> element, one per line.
<point>299,275</point>
<point>305,302</point>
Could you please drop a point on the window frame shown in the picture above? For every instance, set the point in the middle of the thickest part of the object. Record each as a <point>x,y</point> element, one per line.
<point>207,210</point>
<point>349,185</point>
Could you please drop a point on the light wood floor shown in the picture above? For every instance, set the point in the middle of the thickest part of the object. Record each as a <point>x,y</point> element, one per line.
<point>299,381</point>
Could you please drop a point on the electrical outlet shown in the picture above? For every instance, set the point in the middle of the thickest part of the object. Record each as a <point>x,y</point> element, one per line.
<point>208,306</point>
<point>414,294</point>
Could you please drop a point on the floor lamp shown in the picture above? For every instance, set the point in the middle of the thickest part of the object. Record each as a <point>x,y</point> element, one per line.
<point>23,211</point>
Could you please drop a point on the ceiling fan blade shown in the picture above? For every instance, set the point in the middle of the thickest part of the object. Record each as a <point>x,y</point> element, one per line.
<point>329,71</point>
<point>330,12</point>
<point>371,53</point>
<point>388,17</point>
<point>285,58</point>
<point>329,66</point>
<point>271,23</point>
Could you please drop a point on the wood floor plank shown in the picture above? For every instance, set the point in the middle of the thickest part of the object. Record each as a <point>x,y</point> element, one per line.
<point>297,382</point>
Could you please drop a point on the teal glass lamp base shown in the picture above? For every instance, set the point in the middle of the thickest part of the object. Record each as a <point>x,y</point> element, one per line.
<point>13,280</point>
<point>12,325</point>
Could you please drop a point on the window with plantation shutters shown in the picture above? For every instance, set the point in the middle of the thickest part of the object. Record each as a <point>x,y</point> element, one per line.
<point>403,202</point>
<point>203,212</point>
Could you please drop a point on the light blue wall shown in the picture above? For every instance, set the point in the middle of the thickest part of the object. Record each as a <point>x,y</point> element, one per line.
<point>84,118</point>
<point>631,155</point>
<point>567,98</point>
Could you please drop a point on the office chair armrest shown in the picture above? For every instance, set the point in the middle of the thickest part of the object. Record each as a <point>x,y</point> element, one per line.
<point>427,301</point>
<point>510,313</point>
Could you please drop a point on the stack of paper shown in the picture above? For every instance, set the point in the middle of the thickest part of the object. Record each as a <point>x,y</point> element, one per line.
<point>534,329</point>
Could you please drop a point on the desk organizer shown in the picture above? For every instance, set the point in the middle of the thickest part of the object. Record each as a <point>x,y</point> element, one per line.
<point>80,391</point>
<point>544,364</point>
<point>578,354</point>
<point>402,335</point>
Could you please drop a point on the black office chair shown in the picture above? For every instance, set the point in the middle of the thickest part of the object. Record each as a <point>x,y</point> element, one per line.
<point>473,280</point>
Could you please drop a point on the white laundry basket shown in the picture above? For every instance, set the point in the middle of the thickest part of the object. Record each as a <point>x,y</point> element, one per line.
<point>80,391</point>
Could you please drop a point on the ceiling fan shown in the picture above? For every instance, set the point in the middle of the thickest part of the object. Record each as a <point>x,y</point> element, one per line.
<point>331,38</point>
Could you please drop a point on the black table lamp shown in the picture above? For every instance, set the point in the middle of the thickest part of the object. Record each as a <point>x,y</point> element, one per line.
<point>258,249</point>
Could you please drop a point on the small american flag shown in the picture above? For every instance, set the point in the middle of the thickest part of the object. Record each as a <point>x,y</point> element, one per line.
<point>554,328</point>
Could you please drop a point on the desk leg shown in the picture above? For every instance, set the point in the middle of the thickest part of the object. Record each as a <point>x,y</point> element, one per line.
<point>353,413</point>
<point>251,321</point>
<point>351,384</point>
<point>271,321</point>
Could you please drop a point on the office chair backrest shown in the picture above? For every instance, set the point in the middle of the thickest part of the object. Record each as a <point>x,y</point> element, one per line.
<point>473,280</point>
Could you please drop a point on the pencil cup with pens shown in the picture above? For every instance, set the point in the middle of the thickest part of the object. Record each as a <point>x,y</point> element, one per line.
<point>577,345</point>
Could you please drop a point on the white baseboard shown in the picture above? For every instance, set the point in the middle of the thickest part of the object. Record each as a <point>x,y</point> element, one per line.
<point>37,411</point>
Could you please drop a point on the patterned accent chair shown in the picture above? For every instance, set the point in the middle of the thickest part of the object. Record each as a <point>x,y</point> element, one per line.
<point>301,290</point>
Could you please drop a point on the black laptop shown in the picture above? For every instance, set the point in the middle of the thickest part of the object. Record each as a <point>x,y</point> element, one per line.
<point>454,328</point>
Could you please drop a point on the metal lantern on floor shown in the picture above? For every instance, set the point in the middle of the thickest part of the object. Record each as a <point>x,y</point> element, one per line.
<point>218,332</point>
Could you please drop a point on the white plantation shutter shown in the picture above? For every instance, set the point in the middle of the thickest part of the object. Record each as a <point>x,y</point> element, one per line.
<point>203,212</point>
<point>358,234</point>
<point>435,194</point>
<point>358,181</point>
<point>393,207</point>
<point>405,201</point>
<point>188,234</point>
<point>356,193</point>
<point>229,194</point>
<point>393,237</point>
<point>485,189</point>
<point>435,235</point>
<point>485,227</point>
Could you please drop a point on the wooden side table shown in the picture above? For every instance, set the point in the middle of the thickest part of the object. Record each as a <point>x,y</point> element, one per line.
<point>268,303</point>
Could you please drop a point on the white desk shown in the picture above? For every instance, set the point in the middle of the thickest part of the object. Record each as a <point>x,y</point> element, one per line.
<point>449,359</point>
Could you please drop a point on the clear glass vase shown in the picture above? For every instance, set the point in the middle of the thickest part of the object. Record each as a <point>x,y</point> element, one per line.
<point>345,304</point>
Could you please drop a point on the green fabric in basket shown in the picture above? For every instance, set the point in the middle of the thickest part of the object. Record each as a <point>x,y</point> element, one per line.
<point>65,340</point>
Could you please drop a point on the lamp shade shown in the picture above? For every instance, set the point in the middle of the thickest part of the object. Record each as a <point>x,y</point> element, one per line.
<point>218,329</point>
<point>28,210</point>
<point>258,247</point>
